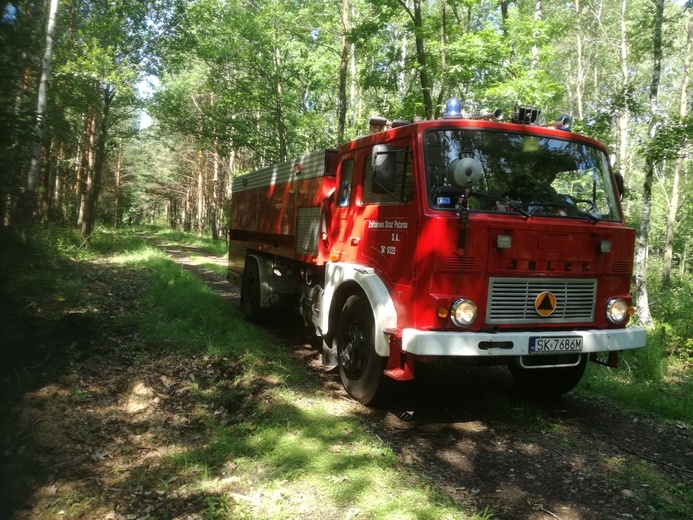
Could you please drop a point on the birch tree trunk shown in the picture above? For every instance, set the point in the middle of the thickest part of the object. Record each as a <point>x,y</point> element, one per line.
<point>32,177</point>
<point>580,70</point>
<point>675,189</point>
<point>624,113</point>
<point>641,292</point>
<point>343,67</point>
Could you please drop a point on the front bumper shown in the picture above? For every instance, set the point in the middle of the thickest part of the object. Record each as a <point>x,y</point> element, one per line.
<point>436,343</point>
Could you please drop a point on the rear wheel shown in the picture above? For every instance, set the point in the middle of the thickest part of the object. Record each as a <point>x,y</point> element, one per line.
<point>360,367</point>
<point>548,382</point>
<point>250,291</point>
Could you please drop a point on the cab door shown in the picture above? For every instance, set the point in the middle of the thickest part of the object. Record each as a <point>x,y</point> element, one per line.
<point>388,223</point>
<point>344,212</point>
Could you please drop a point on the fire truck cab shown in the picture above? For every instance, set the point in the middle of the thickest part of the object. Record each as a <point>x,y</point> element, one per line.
<point>491,242</point>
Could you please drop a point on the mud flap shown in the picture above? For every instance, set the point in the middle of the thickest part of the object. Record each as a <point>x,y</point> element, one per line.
<point>329,352</point>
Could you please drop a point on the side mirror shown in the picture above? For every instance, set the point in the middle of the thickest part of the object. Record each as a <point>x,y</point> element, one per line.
<point>384,166</point>
<point>620,185</point>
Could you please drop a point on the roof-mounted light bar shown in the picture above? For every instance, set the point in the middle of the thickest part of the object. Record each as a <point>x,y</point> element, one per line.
<point>523,115</point>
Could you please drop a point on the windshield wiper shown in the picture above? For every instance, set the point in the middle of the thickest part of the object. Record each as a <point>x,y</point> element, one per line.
<point>571,211</point>
<point>589,216</point>
<point>511,203</point>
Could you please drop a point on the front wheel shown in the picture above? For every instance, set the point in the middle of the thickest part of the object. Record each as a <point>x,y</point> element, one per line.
<point>360,367</point>
<point>250,292</point>
<point>548,382</point>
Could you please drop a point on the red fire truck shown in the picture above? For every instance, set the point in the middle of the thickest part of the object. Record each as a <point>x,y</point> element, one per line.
<point>491,242</point>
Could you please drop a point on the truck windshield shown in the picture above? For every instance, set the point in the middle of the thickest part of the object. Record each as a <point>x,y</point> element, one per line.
<point>525,174</point>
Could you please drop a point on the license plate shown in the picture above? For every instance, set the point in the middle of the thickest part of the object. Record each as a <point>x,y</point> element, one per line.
<point>554,344</point>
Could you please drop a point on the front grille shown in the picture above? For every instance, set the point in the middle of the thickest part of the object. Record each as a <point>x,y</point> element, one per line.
<point>511,300</point>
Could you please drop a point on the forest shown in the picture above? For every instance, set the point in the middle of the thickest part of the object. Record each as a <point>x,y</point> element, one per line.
<point>120,112</point>
<point>132,387</point>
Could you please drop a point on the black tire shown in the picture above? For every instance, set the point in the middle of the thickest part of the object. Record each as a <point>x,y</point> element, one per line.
<point>250,292</point>
<point>548,382</point>
<point>360,367</point>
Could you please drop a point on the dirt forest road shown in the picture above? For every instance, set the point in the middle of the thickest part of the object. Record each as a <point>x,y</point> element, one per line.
<point>472,435</point>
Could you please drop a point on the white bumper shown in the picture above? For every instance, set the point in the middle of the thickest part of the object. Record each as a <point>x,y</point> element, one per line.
<point>433,343</point>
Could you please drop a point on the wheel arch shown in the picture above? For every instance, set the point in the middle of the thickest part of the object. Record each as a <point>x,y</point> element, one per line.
<point>343,280</point>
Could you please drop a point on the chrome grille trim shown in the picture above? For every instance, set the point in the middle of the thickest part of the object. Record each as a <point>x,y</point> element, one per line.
<point>511,300</point>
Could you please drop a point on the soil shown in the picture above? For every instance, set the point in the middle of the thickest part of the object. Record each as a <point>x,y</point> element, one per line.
<point>111,417</point>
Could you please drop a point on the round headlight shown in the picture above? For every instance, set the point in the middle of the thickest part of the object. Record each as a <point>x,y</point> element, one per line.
<point>616,310</point>
<point>463,313</point>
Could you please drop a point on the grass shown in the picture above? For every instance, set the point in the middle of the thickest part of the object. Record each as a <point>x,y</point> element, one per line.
<point>270,443</point>
<point>647,381</point>
<point>664,499</point>
<point>280,449</point>
<point>214,247</point>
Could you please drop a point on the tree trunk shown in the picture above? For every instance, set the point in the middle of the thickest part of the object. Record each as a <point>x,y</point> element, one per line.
<point>118,179</point>
<point>421,60</point>
<point>214,206</point>
<point>45,195</point>
<point>535,49</point>
<point>86,166</point>
<point>29,201</point>
<point>580,69</point>
<point>641,292</point>
<point>504,16</point>
<point>417,19</point>
<point>443,60</point>
<point>279,106</point>
<point>675,189</point>
<point>624,112</point>
<point>200,193</point>
<point>94,181</point>
<point>343,67</point>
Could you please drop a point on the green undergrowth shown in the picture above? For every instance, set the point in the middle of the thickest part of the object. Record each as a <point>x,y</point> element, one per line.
<point>43,310</point>
<point>215,247</point>
<point>647,380</point>
<point>270,443</point>
<point>297,450</point>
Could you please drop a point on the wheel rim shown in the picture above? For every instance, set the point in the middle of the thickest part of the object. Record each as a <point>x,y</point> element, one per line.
<point>353,353</point>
